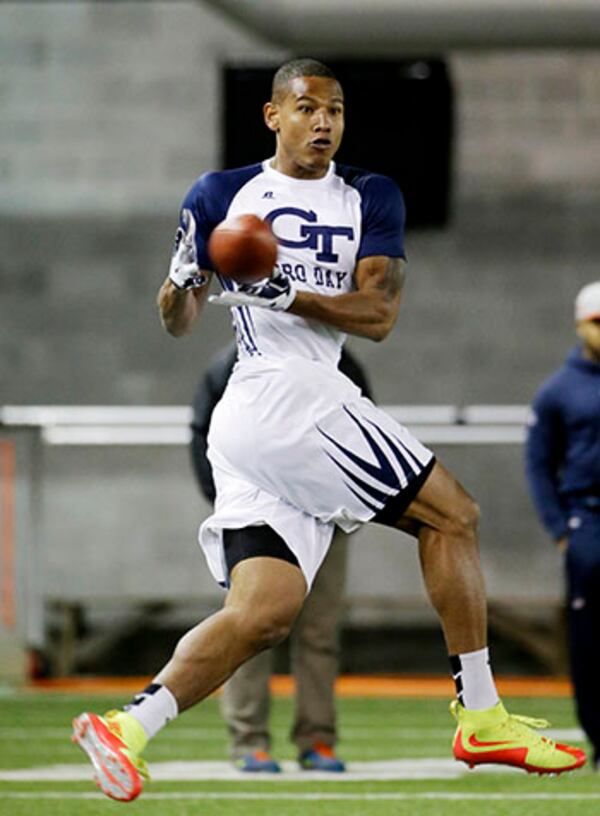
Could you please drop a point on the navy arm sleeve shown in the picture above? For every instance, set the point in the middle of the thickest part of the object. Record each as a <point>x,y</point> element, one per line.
<point>383,217</point>
<point>544,454</point>
<point>207,203</point>
<point>197,205</point>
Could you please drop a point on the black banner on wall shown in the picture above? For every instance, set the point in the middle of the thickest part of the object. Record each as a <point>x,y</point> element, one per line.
<point>399,121</point>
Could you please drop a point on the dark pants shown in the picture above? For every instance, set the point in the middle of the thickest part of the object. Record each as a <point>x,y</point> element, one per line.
<point>583,601</point>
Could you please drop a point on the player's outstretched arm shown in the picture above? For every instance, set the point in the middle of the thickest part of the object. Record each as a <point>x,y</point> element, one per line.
<point>183,294</point>
<point>180,308</point>
<point>371,310</point>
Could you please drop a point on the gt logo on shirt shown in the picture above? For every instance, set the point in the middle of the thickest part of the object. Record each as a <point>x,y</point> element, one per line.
<point>314,236</point>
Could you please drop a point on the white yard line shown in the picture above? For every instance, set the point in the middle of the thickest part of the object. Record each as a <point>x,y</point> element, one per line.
<point>390,770</point>
<point>385,732</point>
<point>357,797</point>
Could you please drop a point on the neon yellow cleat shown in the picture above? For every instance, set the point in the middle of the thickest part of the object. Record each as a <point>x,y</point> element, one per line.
<point>114,743</point>
<point>495,736</point>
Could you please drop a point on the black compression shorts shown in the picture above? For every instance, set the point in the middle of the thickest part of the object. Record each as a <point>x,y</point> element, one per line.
<point>253,542</point>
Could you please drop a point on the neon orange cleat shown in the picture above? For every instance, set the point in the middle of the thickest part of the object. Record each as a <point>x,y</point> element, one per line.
<point>494,736</point>
<point>112,743</point>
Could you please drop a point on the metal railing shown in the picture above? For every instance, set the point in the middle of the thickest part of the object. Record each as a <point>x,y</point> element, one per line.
<point>170,425</point>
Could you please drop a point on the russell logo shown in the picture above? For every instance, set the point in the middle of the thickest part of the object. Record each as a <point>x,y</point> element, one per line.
<point>311,234</point>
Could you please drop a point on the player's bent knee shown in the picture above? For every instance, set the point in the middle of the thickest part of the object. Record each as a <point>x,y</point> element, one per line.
<point>472,515</point>
<point>269,635</point>
<point>264,632</point>
<point>464,520</point>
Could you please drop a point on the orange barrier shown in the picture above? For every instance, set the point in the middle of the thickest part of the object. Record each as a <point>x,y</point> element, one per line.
<point>7,544</point>
<point>346,686</point>
<point>428,686</point>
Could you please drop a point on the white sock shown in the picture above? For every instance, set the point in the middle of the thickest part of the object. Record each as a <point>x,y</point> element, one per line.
<point>472,674</point>
<point>154,707</point>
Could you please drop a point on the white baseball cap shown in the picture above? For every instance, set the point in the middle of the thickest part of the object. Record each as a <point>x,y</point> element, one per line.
<point>587,302</point>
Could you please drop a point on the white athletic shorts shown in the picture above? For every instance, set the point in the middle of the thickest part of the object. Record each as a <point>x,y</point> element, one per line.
<point>293,444</point>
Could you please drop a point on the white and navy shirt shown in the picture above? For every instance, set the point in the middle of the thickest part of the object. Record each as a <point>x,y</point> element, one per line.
<point>323,228</point>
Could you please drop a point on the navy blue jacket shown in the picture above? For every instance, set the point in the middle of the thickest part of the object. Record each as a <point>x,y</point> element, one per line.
<point>563,441</point>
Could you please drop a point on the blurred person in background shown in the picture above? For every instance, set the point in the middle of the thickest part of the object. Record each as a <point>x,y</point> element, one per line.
<point>245,701</point>
<point>563,472</point>
<point>297,450</point>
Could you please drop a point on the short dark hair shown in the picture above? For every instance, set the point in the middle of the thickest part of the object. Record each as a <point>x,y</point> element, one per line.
<point>300,67</point>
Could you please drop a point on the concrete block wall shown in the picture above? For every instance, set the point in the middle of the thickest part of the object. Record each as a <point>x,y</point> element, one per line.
<point>115,107</point>
<point>110,110</point>
<point>487,311</point>
<point>108,106</point>
<point>528,121</point>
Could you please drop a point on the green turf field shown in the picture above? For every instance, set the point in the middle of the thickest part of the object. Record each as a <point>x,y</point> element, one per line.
<point>34,734</point>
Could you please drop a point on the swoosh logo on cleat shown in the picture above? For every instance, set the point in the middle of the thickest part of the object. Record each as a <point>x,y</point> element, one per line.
<point>475,743</point>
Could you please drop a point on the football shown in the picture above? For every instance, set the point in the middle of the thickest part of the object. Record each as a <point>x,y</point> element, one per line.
<point>243,248</point>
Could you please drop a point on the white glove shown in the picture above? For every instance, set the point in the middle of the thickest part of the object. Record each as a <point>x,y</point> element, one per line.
<point>184,271</point>
<point>275,293</point>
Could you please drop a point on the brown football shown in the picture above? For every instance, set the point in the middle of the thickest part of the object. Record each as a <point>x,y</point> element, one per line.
<point>243,248</point>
